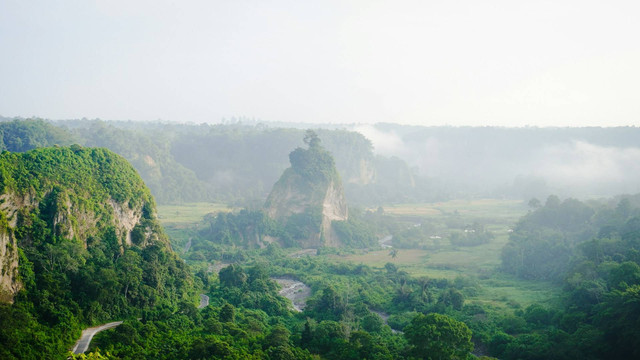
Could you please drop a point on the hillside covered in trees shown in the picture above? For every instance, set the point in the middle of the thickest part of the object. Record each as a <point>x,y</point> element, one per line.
<point>81,227</point>
<point>238,162</point>
<point>81,244</point>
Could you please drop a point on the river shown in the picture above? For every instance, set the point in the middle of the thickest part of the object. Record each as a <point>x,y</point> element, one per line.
<point>294,290</point>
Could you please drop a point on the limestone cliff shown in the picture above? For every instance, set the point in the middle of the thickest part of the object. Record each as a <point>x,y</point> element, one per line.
<point>73,194</point>
<point>309,196</point>
<point>9,284</point>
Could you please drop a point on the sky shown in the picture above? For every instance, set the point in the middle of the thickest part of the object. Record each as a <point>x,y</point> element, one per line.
<point>459,63</point>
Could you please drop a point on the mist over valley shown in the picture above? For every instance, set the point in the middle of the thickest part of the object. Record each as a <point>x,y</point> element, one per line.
<point>338,180</point>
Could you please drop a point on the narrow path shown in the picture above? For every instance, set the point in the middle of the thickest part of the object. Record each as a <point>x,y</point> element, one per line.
<point>87,334</point>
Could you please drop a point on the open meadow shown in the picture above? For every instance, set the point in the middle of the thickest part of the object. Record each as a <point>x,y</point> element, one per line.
<point>188,213</point>
<point>181,219</point>
<point>480,263</point>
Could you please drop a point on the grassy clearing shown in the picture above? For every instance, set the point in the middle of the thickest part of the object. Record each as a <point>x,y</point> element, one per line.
<point>498,290</point>
<point>448,262</point>
<point>188,214</point>
<point>180,220</point>
<point>490,211</point>
<point>505,291</point>
<point>481,262</point>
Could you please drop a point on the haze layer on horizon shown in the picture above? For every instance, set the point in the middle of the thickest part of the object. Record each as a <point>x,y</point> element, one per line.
<point>501,63</point>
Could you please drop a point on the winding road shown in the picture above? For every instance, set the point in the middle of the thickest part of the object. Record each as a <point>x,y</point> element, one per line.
<point>87,334</point>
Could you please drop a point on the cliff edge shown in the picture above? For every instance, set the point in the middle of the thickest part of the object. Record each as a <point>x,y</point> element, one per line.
<point>58,200</point>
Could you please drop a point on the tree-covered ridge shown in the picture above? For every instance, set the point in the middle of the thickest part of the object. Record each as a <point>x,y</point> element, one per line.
<point>90,248</point>
<point>544,242</point>
<point>149,151</point>
<point>94,173</point>
<point>24,135</point>
<point>234,163</point>
<point>593,250</point>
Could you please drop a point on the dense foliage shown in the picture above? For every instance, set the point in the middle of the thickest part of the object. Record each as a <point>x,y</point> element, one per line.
<point>24,135</point>
<point>234,163</point>
<point>599,269</point>
<point>254,229</point>
<point>72,277</point>
<point>75,275</point>
<point>596,317</point>
<point>545,240</point>
<point>248,319</point>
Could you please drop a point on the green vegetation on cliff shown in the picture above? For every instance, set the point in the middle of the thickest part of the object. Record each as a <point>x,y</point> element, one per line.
<point>308,196</point>
<point>92,173</point>
<point>90,248</point>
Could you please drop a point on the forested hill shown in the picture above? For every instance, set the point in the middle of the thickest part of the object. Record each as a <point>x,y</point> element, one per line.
<point>79,244</point>
<point>238,163</point>
<point>233,163</point>
<point>593,250</point>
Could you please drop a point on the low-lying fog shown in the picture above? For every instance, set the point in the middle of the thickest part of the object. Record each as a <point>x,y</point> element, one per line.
<point>583,162</point>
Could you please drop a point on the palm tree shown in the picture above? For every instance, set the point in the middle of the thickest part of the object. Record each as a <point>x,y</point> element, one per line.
<point>393,253</point>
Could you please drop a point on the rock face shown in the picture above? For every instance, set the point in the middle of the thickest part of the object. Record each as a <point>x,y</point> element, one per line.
<point>9,284</point>
<point>365,175</point>
<point>73,201</point>
<point>308,197</point>
<point>69,222</point>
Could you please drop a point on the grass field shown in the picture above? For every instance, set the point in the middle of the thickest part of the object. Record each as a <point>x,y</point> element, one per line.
<point>488,210</point>
<point>189,213</point>
<point>479,262</point>
<point>179,221</point>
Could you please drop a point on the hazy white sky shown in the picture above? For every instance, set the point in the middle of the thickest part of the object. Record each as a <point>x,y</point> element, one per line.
<point>510,63</point>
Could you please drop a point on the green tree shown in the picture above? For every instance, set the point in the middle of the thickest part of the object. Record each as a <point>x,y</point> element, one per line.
<point>452,297</point>
<point>227,313</point>
<point>534,203</point>
<point>277,337</point>
<point>437,337</point>
<point>311,139</point>
<point>232,276</point>
<point>130,270</point>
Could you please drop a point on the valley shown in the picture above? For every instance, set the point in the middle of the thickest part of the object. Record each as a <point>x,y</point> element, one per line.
<point>315,268</point>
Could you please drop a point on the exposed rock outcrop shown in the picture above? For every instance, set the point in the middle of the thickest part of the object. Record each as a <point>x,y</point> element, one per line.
<point>71,221</point>
<point>366,173</point>
<point>309,196</point>
<point>9,284</point>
